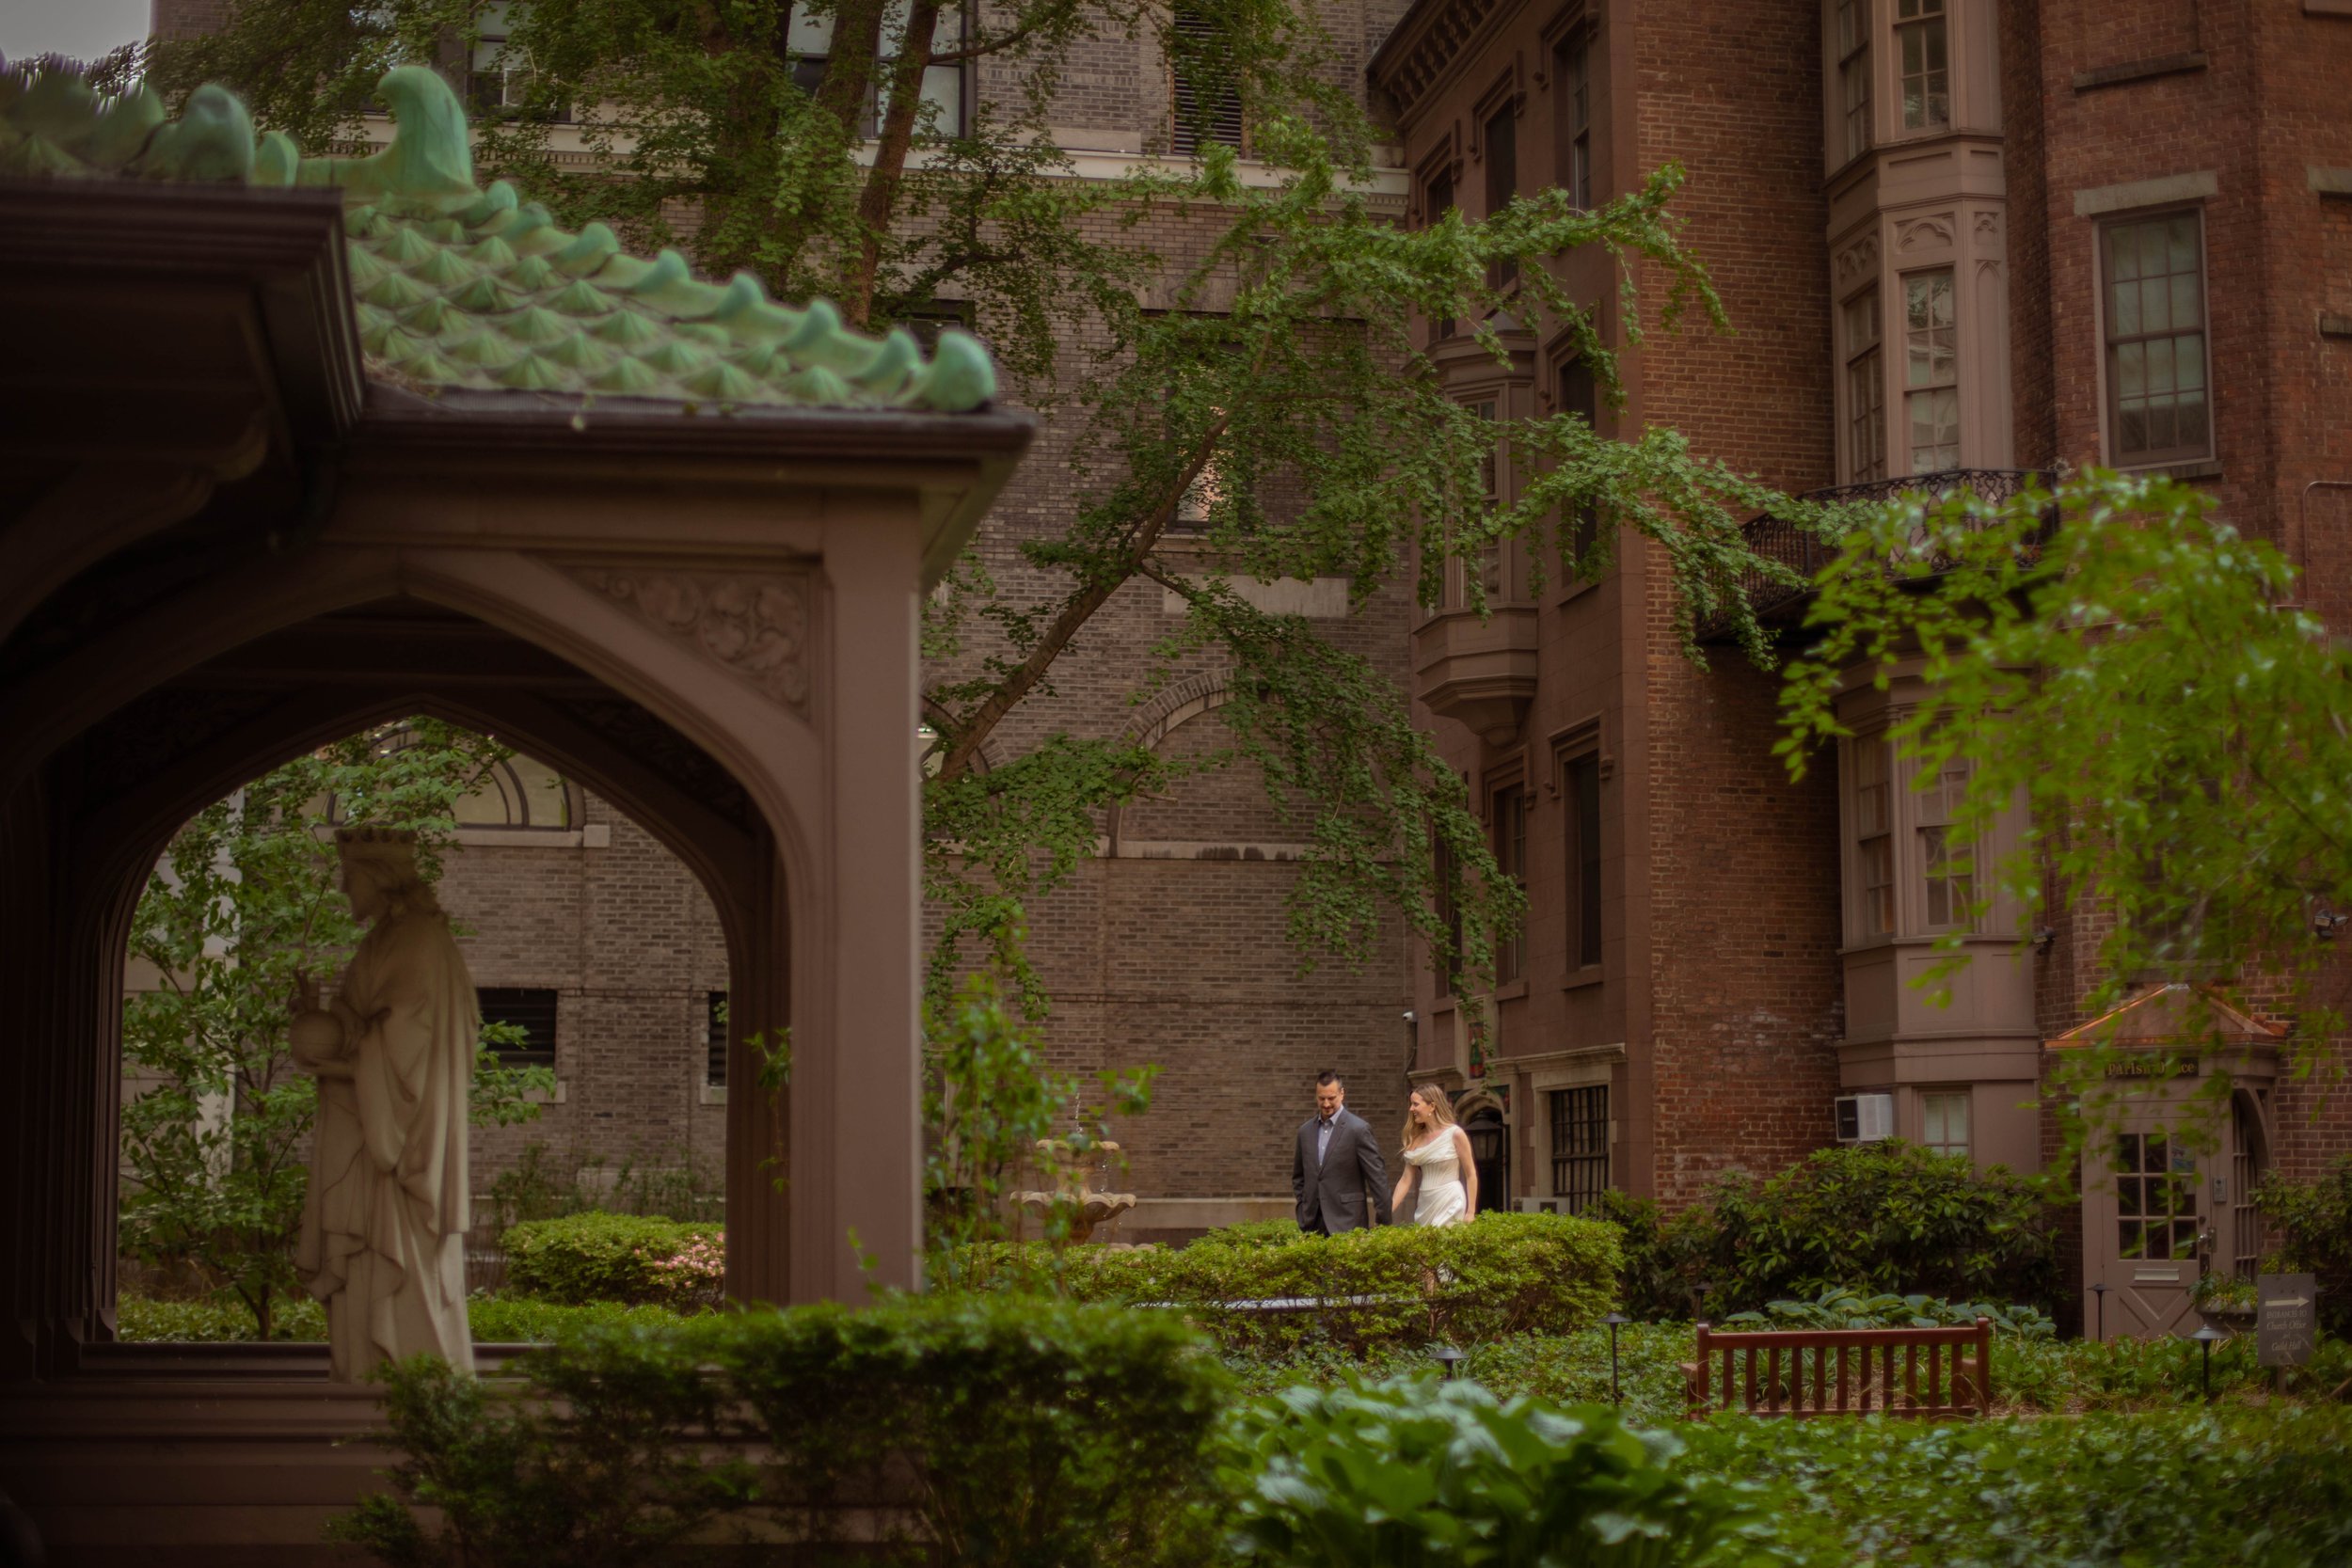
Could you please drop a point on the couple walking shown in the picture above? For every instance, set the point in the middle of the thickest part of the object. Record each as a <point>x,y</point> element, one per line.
<point>1338,1161</point>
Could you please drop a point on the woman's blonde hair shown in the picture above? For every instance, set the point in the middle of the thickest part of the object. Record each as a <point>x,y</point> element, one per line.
<point>1440,1110</point>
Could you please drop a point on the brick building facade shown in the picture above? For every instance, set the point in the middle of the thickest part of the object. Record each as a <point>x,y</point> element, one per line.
<point>1920,215</point>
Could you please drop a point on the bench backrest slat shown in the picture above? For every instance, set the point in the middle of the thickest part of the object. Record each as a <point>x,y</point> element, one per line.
<point>1957,1380</point>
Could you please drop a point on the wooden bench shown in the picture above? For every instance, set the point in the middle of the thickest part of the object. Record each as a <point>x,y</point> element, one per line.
<point>1933,1374</point>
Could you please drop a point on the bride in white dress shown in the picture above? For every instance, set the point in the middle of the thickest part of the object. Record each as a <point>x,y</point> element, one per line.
<point>1438,1152</point>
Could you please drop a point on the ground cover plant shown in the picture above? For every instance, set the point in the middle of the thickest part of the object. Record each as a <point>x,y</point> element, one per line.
<point>602,1256</point>
<point>2313,1222</point>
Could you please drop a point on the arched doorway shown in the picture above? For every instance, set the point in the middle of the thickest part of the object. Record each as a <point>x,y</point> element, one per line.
<point>1489,1134</point>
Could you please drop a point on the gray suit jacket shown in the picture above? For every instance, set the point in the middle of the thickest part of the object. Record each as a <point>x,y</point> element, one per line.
<point>1330,1191</point>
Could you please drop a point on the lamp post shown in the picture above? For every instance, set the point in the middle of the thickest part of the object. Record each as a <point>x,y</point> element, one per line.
<point>2099,1295</point>
<point>2208,1336</point>
<point>1615,1321</point>
<point>1451,1360</point>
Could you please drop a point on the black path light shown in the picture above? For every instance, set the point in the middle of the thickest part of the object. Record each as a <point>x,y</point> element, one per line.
<point>1615,1321</point>
<point>1451,1360</point>
<point>2208,1336</point>
<point>2099,1295</point>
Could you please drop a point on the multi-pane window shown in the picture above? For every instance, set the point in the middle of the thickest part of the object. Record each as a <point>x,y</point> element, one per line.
<point>1580,396</point>
<point>1446,873</point>
<point>1502,137</point>
<point>1944,1121</point>
<point>1511,858</point>
<point>1491,560</point>
<point>809,41</point>
<point>1874,835</point>
<point>715,1038</point>
<point>2156,329</point>
<point>1853,74</point>
<point>526,1010</point>
<point>1207,99</point>
<point>1581,777</point>
<point>1950,883</point>
<point>1580,1145</point>
<point>1865,389</point>
<point>1573,70</point>
<point>1922,50</point>
<point>2155,1197</point>
<point>1931,371</point>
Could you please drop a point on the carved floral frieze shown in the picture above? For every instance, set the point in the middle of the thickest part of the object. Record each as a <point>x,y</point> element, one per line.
<point>754,624</point>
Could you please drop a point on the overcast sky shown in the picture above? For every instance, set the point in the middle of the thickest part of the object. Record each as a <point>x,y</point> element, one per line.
<point>82,28</point>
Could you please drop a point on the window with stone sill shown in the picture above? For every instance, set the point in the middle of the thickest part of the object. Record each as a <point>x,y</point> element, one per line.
<point>1579,395</point>
<point>1445,873</point>
<point>1436,200</point>
<point>1499,143</point>
<point>1493,565</point>
<point>1931,371</point>
<point>1207,107</point>
<point>1579,1121</point>
<point>1866,388</point>
<point>1580,777</point>
<point>2158,410</point>
<point>1944,1121</point>
<point>1852,31</point>
<point>1874,836</point>
<point>715,1038</point>
<point>809,41</point>
<point>1950,880</point>
<point>1923,58</point>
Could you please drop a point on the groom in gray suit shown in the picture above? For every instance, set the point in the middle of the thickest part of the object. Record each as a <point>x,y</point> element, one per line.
<point>1338,1159</point>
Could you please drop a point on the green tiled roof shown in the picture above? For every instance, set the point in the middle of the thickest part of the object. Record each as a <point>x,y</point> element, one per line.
<point>457,286</point>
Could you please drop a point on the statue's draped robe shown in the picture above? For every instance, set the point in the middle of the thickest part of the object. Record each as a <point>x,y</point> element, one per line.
<point>384,1228</point>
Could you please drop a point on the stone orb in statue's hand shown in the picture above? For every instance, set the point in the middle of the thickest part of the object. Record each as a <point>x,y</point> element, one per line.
<point>315,1036</point>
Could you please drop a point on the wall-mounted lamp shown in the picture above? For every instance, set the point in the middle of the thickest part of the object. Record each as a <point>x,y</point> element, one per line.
<point>2043,939</point>
<point>2328,925</point>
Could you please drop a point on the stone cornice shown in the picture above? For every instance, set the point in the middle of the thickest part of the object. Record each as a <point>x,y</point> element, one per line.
<point>1426,47</point>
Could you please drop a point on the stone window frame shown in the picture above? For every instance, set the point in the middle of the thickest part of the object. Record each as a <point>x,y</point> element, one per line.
<point>1946,1096</point>
<point>1576,76</point>
<point>1912,815</point>
<point>1557,361</point>
<point>1951,274</point>
<point>1577,756</point>
<point>1568,1109</point>
<point>1509,781</point>
<point>1437,186</point>
<point>2102,229</point>
<point>1853,422</point>
<point>1927,18</point>
<point>1511,394</point>
<point>1853,56</point>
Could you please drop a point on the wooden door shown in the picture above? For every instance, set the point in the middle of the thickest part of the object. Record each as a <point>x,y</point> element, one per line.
<point>2139,1235</point>
<point>2241,1246</point>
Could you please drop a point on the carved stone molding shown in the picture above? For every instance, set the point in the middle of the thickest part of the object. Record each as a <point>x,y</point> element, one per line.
<point>1988,227</point>
<point>1923,234</point>
<point>1424,62</point>
<point>754,624</point>
<point>1858,261</point>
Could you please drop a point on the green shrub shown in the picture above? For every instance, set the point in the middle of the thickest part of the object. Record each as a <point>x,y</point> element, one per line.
<point>1395,1285</point>
<point>2315,1221</point>
<point>1415,1471</point>
<point>1884,1218</point>
<point>522,1320</point>
<point>2252,1487</point>
<point>626,1257</point>
<point>215,1320</point>
<point>1843,1307</point>
<point>1254,1233</point>
<point>1664,1258</point>
<point>977,1430</point>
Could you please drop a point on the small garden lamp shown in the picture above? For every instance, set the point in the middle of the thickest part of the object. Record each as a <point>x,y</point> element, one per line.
<point>1615,1321</point>
<point>2208,1336</point>
<point>1451,1360</point>
<point>2099,1295</point>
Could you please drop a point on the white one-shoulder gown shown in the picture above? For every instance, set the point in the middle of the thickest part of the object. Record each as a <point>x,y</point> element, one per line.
<point>1441,1200</point>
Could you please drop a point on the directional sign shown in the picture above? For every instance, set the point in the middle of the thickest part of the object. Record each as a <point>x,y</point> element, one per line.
<point>2287,1325</point>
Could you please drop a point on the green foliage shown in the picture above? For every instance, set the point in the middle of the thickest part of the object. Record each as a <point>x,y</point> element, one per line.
<point>1013,1431</point>
<point>2262,1487</point>
<point>2138,678</point>
<point>1501,1273</point>
<point>494,1319</point>
<point>244,905</point>
<point>990,1100</point>
<point>2313,1222</point>
<point>1883,1218</point>
<point>1843,1307</point>
<point>671,1185</point>
<point>1414,1473</point>
<point>597,1255</point>
<point>1663,1256</point>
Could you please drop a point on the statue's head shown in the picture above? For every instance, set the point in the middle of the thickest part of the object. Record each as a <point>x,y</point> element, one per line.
<point>380,871</point>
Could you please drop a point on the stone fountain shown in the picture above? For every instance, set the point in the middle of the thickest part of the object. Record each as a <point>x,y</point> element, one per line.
<point>1073,1172</point>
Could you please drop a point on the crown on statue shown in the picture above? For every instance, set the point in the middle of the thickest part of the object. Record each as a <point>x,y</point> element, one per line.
<point>389,846</point>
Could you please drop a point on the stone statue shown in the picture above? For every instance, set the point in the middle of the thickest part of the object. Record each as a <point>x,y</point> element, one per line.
<point>384,1228</point>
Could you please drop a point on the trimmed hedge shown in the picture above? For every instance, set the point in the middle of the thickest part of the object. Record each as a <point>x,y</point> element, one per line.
<point>635,1258</point>
<point>979,1430</point>
<point>1501,1273</point>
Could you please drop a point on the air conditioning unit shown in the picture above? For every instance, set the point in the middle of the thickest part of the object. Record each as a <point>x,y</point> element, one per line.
<point>1865,1118</point>
<point>1539,1205</point>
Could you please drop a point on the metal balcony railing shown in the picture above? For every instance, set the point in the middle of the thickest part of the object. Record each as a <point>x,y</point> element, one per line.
<point>1780,540</point>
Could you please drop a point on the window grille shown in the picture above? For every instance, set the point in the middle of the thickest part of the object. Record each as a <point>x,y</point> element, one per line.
<point>1580,1145</point>
<point>2158,406</point>
<point>715,1038</point>
<point>1931,371</point>
<point>1207,99</point>
<point>1865,391</point>
<point>1853,74</point>
<point>532,1010</point>
<point>1923,53</point>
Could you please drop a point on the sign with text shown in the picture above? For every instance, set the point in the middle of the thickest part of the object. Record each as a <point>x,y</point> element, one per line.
<point>2287,1323</point>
